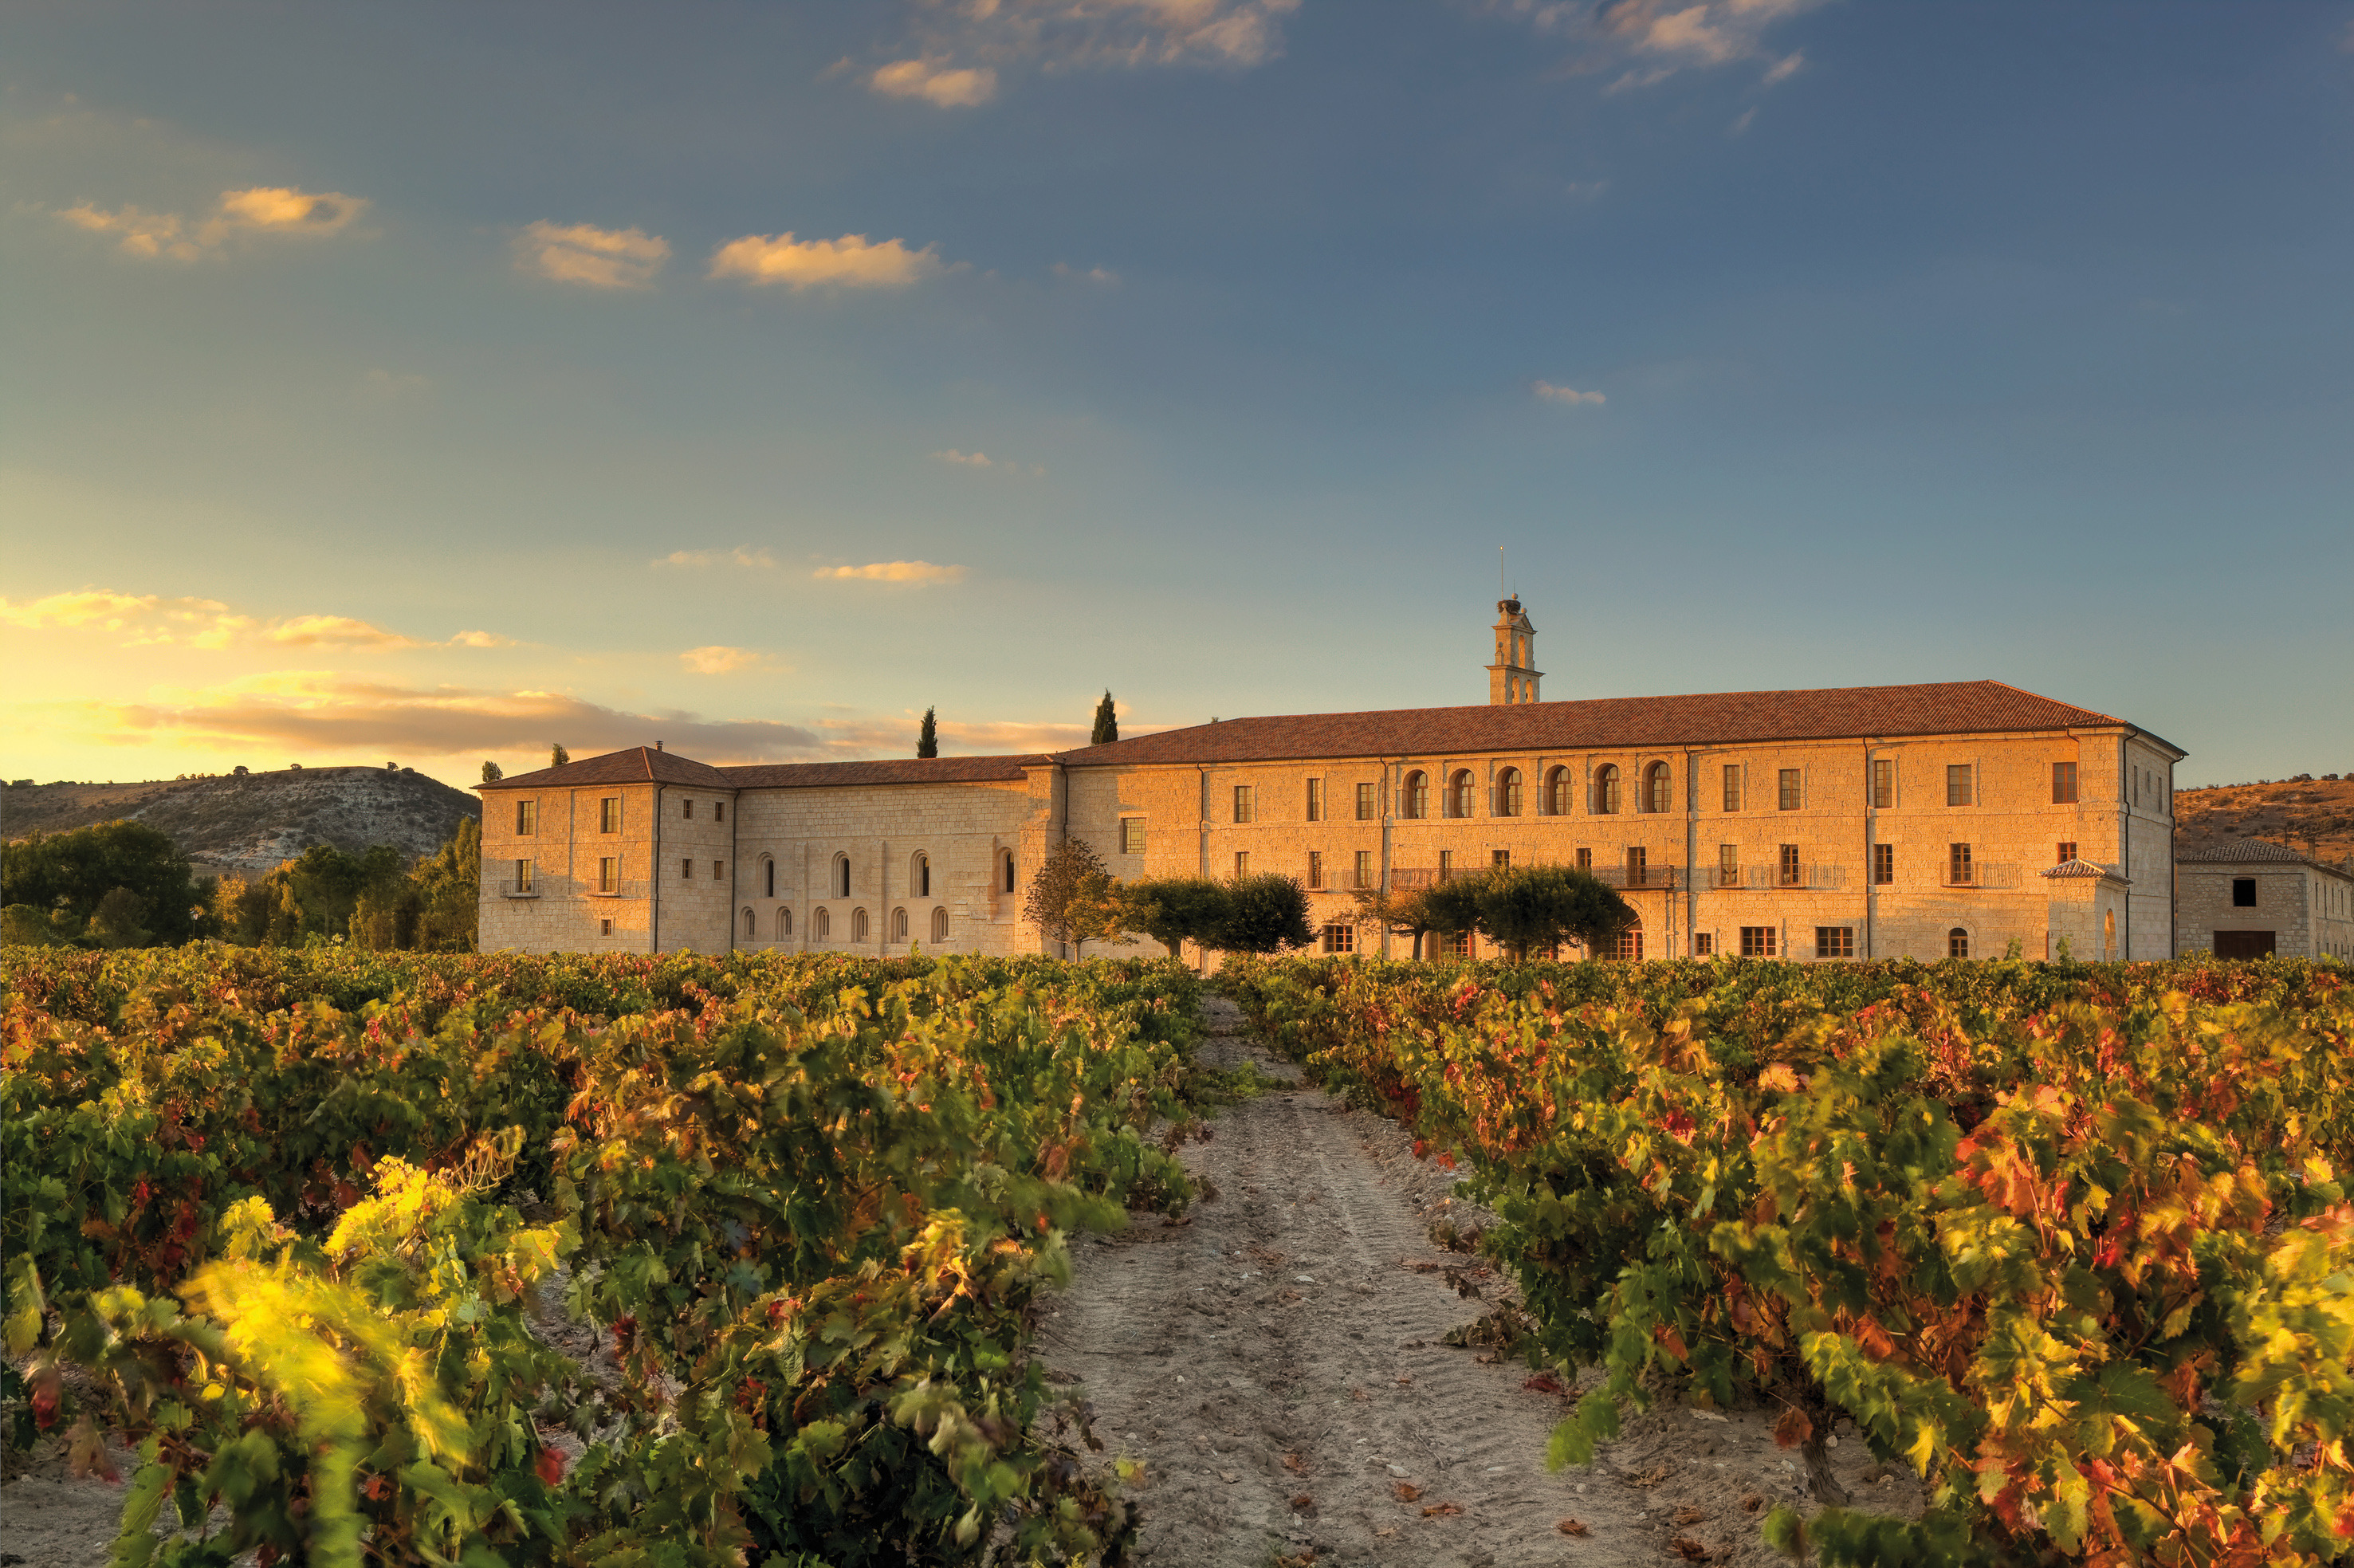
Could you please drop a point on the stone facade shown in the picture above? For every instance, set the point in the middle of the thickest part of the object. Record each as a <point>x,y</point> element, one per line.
<point>1872,822</point>
<point>2242,898</point>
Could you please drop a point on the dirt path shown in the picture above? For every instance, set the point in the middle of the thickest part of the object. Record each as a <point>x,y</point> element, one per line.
<point>1277,1363</point>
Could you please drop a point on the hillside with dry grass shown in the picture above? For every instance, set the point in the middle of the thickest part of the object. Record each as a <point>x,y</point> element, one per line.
<point>253,821</point>
<point>2314,816</point>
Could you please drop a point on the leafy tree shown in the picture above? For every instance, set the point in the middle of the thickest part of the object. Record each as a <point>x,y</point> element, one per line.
<point>927,739</point>
<point>68,874</point>
<point>449,891</point>
<point>1174,910</point>
<point>1452,907</point>
<point>557,756</point>
<point>493,772</point>
<point>1265,913</point>
<point>22,926</point>
<point>1527,906</point>
<point>1073,898</point>
<point>241,909</point>
<point>1106,728</point>
<point>1400,913</point>
<point>117,922</point>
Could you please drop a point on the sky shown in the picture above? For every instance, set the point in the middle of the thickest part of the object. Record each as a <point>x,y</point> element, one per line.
<point>435,382</point>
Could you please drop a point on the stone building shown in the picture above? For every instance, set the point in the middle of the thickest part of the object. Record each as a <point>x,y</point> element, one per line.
<point>2244,898</point>
<point>1956,819</point>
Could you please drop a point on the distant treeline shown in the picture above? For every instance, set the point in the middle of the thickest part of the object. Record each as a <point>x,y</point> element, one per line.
<point>126,884</point>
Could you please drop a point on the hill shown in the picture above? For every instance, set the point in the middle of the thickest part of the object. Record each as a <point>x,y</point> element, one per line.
<point>253,822</point>
<point>2314,816</point>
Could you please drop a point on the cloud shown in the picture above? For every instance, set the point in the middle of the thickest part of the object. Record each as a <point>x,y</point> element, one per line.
<point>261,210</point>
<point>1553,393</point>
<point>718,661</point>
<point>994,465</point>
<point>741,556</point>
<point>317,711</point>
<point>937,82</point>
<point>1064,34</point>
<point>152,620</point>
<point>1742,122</point>
<point>1102,277</point>
<point>1650,40</point>
<point>591,257</point>
<point>849,263</point>
<point>1785,68</point>
<point>891,572</point>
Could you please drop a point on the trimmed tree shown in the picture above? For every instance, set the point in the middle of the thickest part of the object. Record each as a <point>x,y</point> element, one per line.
<point>1174,910</point>
<point>1539,906</point>
<point>1401,914</point>
<point>928,738</point>
<point>1265,913</point>
<point>1106,728</point>
<point>1073,898</point>
<point>1452,907</point>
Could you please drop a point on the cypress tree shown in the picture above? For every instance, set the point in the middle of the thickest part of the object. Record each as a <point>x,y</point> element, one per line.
<point>927,739</point>
<point>557,756</point>
<point>1106,722</point>
<point>493,773</point>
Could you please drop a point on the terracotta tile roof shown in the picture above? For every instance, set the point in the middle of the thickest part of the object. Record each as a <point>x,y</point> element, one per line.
<point>2086,868</point>
<point>883,770</point>
<point>638,765</point>
<point>2210,851</point>
<point>1950,707</point>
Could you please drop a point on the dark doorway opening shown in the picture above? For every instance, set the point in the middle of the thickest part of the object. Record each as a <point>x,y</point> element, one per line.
<point>2243,944</point>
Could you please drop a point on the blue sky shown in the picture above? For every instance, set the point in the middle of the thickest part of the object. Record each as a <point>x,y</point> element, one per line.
<point>430,383</point>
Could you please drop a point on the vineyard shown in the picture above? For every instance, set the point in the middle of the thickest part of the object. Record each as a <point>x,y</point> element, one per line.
<point>678,1261</point>
<point>278,1222</point>
<point>2069,1241</point>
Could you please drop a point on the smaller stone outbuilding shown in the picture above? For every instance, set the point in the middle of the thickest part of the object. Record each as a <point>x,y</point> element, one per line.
<point>2245,898</point>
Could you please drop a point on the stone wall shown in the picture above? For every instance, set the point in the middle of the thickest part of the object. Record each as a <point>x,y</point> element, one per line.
<point>2308,909</point>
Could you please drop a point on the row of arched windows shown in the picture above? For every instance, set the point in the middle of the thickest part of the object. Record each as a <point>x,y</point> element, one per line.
<point>821,924</point>
<point>1654,792</point>
<point>920,876</point>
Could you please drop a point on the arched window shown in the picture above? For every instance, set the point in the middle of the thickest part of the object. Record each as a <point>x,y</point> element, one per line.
<point>1606,790</point>
<point>1414,798</point>
<point>1009,871</point>
<point>899,924</point>
<point>858,924</point>
<point>822,926</point>
<point>751,927</point>
<point>1508,793</point>
<point>1958,943</point>
<point>922,876</point>
<point>842,876</point>
<point>1458,793</point>
<point>785,921</point>
<point>1657,796</point>
<point>940,925</point>
<point>1557,792</point>
<point>769,876</point>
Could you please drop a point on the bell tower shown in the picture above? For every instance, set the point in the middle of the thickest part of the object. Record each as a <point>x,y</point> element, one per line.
<point>1514,677</point>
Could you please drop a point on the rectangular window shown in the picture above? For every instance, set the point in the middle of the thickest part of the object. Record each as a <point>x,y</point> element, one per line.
<point>1638,866</point>
<point>609,874</point>
<point>2066,850</point>
<point>1728,865</point>
<point>1789,865</point>
<point>1132,835</point>
<point>1340,938</point>
<point>1629,944</point>
<point>1958,784</point>
<point>604,927</point>
<point>688,810</point>
<point>1883,863</point>
<point>1834,941</point>
<point>1959,869</point>
<point>1500,859</point>
<point>686,871</point>
<point>719,870</point>
<point>719,810</point>
<point>2064,783</point>
<point>1703,944</point>
<point>1242,863</point>
<point>1243,812</point>
<point>1757,941</point>
<point>1446,864</point>
<point>1369,802</point>
<point>1364,868</point>
<point>1316,868</point>
<point>526,817</point>
<point>1733,786</point>
<point>2244,890</point>
<point>523,877</point>
<point>1457,945</point>
<point>1792,789</point>
<point>1883,784</point>
<point>1315,801</point>
<point>1585,860</point>
<point>608,814</point>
